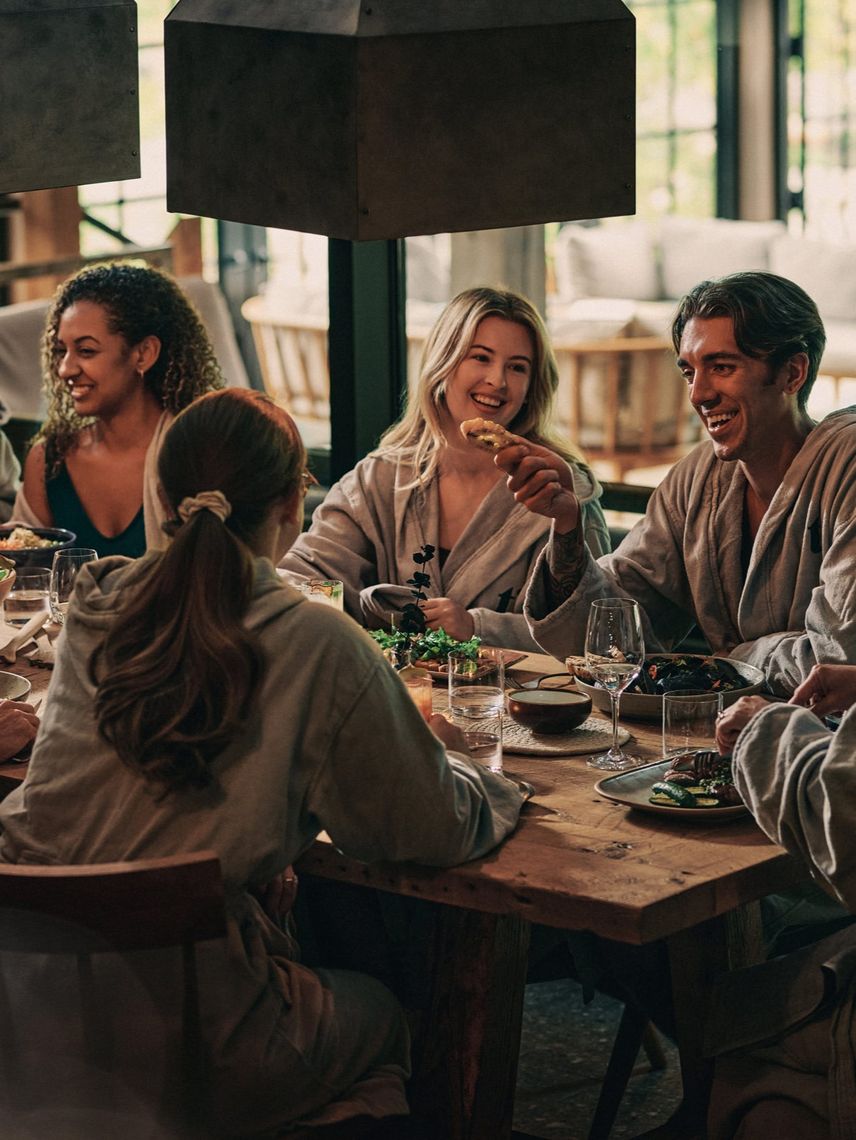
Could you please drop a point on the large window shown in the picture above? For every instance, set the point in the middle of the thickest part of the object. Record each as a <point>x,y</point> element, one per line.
<point>137,209</point>
<point>822,118</point>
<point>675,107</point>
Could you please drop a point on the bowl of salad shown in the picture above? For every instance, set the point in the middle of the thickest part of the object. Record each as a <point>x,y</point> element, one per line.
<point>33,545</point>
<point>670,673</point>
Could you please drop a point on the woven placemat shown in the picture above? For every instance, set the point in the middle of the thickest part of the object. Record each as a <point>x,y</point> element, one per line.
<point>592,735</point>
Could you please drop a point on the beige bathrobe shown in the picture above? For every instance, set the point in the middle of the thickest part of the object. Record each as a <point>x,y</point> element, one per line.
<point>334,743</point>
<point>787,1028</point>
<point>796,604</point>
<point>373,521</point>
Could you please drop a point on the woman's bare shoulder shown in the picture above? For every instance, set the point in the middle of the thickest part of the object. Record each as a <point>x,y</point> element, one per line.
<point>35,491</point>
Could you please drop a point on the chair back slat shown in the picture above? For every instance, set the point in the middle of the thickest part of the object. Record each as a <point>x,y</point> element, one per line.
<point>143,905</point>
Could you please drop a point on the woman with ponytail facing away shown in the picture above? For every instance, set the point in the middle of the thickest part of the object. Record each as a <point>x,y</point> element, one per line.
<point>200,703</point>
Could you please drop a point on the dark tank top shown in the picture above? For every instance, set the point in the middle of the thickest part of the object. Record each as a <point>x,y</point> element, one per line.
<point>67,511</point>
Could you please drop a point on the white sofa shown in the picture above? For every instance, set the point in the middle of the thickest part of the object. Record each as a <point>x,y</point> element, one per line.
<point>625,278</point>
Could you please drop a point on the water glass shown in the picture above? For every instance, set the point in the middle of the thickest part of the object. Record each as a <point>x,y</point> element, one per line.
<point>477,702</point>
<point>29,595</point>
<point>327,591</point>
<point>66,566</point>
<point>689,721</point>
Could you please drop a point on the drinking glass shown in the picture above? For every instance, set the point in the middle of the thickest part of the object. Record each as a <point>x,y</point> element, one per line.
<point>615,650</point>
<point>66,566</point>
<point>28,596</point>
<point>477,702</point>
<point>689,721</point>
<point>421,689</point>
<point>327,591</point>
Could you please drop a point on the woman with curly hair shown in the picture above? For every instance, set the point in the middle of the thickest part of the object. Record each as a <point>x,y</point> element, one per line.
<point>487,357</point>
<point>123,352</point>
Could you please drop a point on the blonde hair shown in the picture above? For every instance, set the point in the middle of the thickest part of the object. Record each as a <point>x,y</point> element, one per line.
<point>417,437</point>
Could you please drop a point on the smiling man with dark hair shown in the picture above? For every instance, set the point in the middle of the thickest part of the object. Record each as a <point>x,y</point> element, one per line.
<point>753,535</point>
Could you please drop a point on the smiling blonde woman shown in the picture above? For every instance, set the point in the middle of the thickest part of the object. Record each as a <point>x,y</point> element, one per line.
<point>487,356</point>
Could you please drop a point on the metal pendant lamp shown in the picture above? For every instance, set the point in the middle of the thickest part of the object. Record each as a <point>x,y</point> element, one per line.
<point>68,89</point>
<point>384,118</point>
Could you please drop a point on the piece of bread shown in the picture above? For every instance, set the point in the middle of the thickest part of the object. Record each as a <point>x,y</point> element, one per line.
<point>486,434</point>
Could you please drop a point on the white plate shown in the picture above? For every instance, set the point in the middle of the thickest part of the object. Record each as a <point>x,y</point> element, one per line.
<point>633,788</point>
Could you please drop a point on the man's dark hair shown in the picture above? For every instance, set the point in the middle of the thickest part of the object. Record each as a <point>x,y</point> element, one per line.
<point>773,319</point>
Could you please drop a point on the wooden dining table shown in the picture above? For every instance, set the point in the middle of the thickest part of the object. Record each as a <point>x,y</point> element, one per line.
<point>576,862</point>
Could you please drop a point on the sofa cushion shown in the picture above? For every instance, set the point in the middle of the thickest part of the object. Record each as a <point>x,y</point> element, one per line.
<point>606,261</point>
<point>826,272</point>
<point>839,356</point>
<point>590,318</point>
<point>696,249</point>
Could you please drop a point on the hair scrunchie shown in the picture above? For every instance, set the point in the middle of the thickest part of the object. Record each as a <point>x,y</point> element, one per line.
<point>213,501</point>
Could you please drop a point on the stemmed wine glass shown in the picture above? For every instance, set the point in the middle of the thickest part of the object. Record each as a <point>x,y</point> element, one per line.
<point>66,566</point>
<point>615,650</point>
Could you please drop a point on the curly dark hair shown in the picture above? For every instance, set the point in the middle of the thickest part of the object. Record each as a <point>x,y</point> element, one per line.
<point>773,319</point>
<point>140,301</point>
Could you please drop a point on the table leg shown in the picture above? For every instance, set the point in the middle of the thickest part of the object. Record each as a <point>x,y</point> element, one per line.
<point>696,957</point>
<point>467,1063</point>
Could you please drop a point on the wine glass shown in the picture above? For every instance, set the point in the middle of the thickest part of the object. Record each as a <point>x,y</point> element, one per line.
<point>64,571</point>
<point>615,650</point>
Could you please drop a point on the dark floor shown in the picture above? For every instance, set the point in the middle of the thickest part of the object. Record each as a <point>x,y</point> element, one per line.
<point>564,1051</point>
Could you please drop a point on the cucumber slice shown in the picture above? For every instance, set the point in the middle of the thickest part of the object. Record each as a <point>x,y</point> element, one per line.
<point>679,796</point>
<point>708,802</point>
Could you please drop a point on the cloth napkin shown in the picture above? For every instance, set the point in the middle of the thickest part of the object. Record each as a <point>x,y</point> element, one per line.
<point>13,639</point>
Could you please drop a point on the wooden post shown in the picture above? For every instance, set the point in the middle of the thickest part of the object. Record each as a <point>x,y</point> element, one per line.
<point>186,241</point>
<point>46,226</point>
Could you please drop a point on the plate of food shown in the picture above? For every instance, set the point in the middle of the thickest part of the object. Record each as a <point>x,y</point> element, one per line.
<point>33,545</point>
<point>694,785</point>
<point>671,673</point>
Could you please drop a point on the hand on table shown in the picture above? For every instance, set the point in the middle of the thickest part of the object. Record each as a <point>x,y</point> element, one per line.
<point>734,719</point>
<point>18,727</point>
<point>278,896</point>
<point>542,481</point>
<point>827,689</point>
<point>449,733</point>
<point>454,619</point>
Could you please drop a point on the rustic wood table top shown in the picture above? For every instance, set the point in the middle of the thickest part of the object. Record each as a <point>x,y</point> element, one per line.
<point>580,862</point>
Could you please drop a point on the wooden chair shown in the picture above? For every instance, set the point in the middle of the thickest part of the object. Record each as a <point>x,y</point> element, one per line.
<point>666,428</point>
<point>86,911</point>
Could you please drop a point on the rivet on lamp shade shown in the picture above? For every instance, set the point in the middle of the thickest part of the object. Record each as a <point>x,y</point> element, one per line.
<point>68,89</point>
<point>385,118</point>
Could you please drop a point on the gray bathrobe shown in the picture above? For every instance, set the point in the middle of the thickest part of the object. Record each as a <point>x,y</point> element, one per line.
<point>371,523</point>
<point>335,743</point>
<point>787,1028</point>
<point>795,606</point>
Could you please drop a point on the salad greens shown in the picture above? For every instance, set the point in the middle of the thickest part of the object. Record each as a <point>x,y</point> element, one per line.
<point>432,645</point>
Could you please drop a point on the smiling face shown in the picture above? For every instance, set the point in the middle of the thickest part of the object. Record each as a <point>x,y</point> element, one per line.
<point>493,378</point>
<point>97,366</point>
<point>748,407</point>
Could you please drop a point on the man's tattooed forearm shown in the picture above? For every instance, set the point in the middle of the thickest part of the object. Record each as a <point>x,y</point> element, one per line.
<point>566,562</point>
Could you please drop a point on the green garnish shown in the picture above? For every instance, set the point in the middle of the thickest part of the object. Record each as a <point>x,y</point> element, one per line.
<point>433,645</point>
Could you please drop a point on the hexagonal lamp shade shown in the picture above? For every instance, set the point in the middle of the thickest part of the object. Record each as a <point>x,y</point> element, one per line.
<point>68,89</point>
<point>383,118</point>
